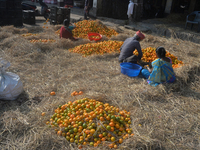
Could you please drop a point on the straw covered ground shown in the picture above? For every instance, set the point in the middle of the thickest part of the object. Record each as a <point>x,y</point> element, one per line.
<point>165,117</point>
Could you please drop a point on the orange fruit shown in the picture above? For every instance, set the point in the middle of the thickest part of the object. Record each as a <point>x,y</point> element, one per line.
<point>80,147</point>
<point>101,118</point>
<point>52,93</point>
<point>109,135</point>
<point>112,124</point>
<point>98,142</point>
<point>120,141</point>
<point>108,118</point>
<point>100,135</point>
<point>80,92</point>
<point>111,145</point>
<point>76,93</point>
<point>59,132</point>
<point>92,131</point>
<point>112,129</point>
<point>87,131</point>
<point>95,144</point>
<point>115,146</point>
<point>112,138</point>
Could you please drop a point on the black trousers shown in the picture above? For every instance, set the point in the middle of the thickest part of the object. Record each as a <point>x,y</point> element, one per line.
<point>86,12</point>
<point>131,59</point>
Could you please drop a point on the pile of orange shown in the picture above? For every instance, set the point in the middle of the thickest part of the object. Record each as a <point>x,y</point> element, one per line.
<point>149,55</point>
<point>97,48</point>
<point>29,34</point>
<point>86,26</point>
<point>88,122</point>
<point>42,40</point>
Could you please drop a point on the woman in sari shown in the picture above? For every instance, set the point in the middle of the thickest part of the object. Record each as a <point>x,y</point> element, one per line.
<point>66,30</point>
<point>161,71</point>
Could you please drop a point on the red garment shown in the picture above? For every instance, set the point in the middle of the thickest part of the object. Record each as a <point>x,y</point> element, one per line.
<point>65,33</point>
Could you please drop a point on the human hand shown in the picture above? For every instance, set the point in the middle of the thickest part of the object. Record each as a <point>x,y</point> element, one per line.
<point>146,66</point>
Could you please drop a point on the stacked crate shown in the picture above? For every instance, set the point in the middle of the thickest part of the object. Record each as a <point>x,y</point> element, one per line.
<point>59,14</point>
<point>10,13</point>
<point>62,14</point>
<point>53,15</point>
<point>29,17</point>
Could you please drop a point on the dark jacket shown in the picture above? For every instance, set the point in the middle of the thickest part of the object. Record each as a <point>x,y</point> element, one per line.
<point>129,46</point>
<point>89,3</point>
<point>42,3</point>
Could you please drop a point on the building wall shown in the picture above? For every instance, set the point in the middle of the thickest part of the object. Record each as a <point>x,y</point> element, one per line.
<point>192,6</point>
<point>173,6</point>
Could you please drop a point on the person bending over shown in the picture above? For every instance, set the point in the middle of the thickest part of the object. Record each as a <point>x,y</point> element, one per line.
<point>66,30</point>
<point>161,71</point>
<point>129,46</point>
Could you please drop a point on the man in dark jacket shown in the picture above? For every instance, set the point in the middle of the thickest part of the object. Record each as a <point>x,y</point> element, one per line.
<point>129,46</point>
<point>88,6</point>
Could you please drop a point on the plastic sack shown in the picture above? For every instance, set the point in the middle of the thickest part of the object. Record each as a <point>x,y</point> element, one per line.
<point>10,84</point>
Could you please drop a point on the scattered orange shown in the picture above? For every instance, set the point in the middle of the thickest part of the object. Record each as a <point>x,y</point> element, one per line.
<point>74,93</point>
<point>52,93</point>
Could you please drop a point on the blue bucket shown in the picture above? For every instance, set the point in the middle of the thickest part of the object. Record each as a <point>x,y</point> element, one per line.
<point>130,69</point>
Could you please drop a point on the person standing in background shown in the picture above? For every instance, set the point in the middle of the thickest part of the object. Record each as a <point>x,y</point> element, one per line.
<point>130,11</point>
<point>88,6</point>
<point>44,9</point>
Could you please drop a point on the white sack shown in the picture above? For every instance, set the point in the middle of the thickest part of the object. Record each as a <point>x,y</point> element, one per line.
<point>10,84</point>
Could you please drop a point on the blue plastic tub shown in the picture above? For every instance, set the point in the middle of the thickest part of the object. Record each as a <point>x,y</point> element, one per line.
<point>130,69</point>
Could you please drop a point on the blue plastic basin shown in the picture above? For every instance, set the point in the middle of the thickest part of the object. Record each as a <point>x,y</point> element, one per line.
<point>130,69</point>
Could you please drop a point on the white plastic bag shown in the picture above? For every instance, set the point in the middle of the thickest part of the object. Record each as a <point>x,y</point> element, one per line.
<point>10,84</point>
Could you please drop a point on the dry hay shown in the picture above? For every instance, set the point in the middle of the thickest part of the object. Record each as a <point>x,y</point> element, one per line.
<point>174,17</point>
<point>165,117</point>
<point>99,23</point>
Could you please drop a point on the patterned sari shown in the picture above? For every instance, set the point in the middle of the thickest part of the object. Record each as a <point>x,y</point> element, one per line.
<point>162,72</point>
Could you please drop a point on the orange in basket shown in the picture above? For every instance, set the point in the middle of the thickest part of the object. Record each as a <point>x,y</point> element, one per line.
<point>94,36</point>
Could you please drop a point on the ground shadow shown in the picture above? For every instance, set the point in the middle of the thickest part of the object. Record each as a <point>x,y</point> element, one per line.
<point>155,146</point>
<point>22,103</point>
